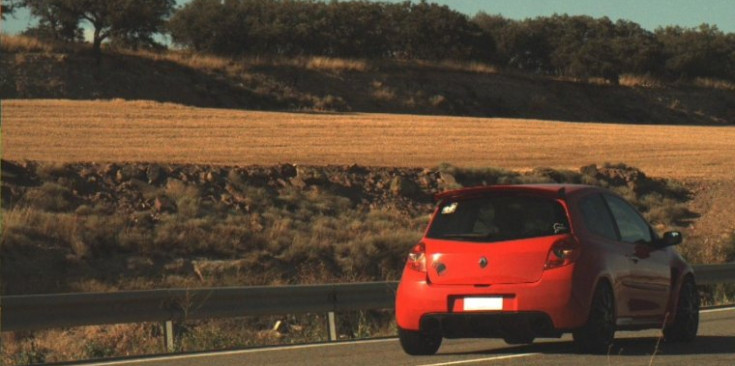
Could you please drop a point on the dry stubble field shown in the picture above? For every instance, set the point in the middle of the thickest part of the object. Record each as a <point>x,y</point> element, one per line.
<point>115,131</point>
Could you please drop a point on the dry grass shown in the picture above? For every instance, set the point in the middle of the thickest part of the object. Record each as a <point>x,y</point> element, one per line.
<point>66,131</point>
<point>467,66</point>
<point>645,81</point>
<point>23,44</point>
<point>320,63</point>
<point>332,64</point>
<point>236,66</point>
<point>714,83</point>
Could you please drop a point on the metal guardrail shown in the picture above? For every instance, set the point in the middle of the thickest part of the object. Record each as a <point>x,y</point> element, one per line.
<point>33,312</point>
<point>710,274</point>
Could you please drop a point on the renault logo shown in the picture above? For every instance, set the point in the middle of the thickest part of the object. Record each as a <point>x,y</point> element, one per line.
<point>483,262</point>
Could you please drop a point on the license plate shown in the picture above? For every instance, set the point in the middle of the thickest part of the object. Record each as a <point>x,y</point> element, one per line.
<point>483,303</point>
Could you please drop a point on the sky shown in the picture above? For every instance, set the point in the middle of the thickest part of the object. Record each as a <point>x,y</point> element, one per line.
<point>650,14</point>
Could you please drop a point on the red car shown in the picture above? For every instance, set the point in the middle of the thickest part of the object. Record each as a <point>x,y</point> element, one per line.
<point>527,261</point>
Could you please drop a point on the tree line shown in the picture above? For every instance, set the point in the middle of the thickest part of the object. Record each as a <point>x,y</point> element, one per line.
<point>559,45</point>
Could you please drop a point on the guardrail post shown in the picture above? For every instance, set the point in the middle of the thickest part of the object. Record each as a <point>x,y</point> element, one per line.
<point>331,326</point>
<point>168,334</point>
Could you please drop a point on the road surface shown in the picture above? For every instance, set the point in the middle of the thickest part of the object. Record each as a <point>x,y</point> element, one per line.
<point>715,345</point>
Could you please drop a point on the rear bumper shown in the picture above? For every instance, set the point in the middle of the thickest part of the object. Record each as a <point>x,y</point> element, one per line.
<point>547,306</point>
<point>489,324</point>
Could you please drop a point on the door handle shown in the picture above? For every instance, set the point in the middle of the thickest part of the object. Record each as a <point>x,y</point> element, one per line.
<point>633,258</point>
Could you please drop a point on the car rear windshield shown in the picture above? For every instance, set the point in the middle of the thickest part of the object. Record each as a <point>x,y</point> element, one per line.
<point>496,218</point>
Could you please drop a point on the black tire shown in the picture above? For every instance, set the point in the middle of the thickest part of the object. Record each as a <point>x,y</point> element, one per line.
<point>686,322</point>
<point>418,343</point>
<point>597,335</point>
<point>519,339</point>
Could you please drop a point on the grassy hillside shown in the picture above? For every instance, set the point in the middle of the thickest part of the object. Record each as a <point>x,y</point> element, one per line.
<point>101,227</point>
<point>30,69</point>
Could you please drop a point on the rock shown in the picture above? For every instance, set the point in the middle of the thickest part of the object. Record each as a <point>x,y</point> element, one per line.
<point>619,176</point>
<point>288,170</point>
<point>425,181</point>
<point>164,204</point>
<point>297,182</point>
<point>356,169</point>
<point>128,172</point>
<point>590,170</point>
<point>212,176</point>
<point>552,174</point>
<point>155,174</point>
<point>310,175</point>
<point>109,169</point>
<point>401,186</point>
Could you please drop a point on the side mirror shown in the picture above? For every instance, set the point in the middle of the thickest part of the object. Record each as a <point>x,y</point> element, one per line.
<point>670,238</point>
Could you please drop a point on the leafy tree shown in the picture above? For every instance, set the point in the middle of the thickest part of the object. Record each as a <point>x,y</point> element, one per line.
<point>494,26</point>
<point>638,50</point>
<point>430,31</point>
<point>526,46</point>
<point>56,21</point>
<point>199,25</point>
<point>132,20</point>
<point>697,52</point>
<point>577,46</point>
<point>340,29</point>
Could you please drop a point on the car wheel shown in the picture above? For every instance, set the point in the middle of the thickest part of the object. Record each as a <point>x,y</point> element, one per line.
<point>418,343</point>
<point>686,322</point>
<point>519,339</point>
<point>598,333</point>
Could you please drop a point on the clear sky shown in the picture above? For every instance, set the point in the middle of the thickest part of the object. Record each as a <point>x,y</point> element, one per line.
<point>650,14</point>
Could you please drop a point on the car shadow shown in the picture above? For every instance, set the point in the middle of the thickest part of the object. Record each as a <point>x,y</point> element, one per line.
<point>635,346</point>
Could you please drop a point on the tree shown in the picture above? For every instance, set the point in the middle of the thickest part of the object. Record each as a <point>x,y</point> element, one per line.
<point>131,19</point>
<point>704,51</point>
<point>56,22</point>
<point>125,19</point>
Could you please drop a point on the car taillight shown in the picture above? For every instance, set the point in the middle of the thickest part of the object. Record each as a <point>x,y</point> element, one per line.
<point>562,253</point>
<point>417,258</point>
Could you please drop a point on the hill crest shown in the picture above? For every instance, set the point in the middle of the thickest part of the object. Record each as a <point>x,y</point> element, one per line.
<point>322,84</point>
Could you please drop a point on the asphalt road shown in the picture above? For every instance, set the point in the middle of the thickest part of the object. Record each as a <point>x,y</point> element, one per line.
<point>715,345</point>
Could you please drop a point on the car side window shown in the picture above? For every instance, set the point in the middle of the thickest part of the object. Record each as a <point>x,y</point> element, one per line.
<point>597,217</point>
<point>633,229</point>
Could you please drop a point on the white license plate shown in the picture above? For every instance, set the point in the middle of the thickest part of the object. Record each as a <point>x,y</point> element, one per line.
<point>483,303</point>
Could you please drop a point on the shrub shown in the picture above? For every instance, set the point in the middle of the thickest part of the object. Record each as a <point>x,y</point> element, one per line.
<point>187,198</point>
<point>468,177</point>
<point>31,355</point>
<point>50,197</point>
